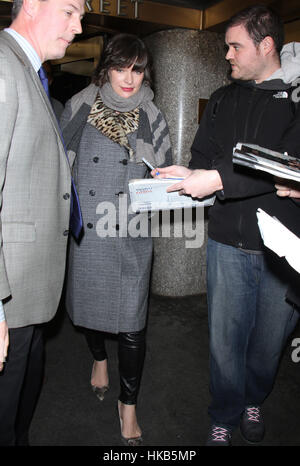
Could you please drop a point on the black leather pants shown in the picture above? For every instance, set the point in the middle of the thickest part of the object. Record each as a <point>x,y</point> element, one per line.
<point>131,353</point>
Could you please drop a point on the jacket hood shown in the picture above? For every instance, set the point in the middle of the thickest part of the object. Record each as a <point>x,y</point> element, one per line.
<point>284,77</point>
<point>290,64</point>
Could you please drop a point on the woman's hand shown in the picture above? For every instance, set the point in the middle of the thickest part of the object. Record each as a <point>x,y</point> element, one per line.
<point>173,171</point>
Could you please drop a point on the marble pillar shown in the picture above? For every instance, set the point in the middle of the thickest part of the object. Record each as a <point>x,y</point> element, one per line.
<point>188,65</point>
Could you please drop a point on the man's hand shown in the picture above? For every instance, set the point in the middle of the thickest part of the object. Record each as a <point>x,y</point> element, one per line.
<point>286,191</point>
<point>199,183</point>
<point>4,341</point>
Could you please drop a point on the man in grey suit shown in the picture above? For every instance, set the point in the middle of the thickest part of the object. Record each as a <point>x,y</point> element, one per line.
<point>35,197</point>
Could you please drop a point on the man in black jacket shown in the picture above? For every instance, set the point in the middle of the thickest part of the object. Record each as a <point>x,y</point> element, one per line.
<point>249,316</point>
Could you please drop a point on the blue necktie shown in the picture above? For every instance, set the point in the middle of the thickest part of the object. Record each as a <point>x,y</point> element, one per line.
<point>76,222</point>
<point>44,80</point>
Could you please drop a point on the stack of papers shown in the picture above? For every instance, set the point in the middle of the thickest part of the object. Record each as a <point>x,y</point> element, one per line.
<point>276,163</point>
<point>279,238</point>
<point>151,194</point>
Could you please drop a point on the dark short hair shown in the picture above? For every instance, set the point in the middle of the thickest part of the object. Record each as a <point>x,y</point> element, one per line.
<point>16,7</point>
<point>260,22</point>
<point>121,51</point>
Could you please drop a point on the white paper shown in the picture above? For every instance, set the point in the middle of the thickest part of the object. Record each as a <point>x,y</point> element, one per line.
<point>279,238</point>
<point>151,194</point>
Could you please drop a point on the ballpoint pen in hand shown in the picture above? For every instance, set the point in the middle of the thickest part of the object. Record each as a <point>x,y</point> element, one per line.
<point>150,166</point>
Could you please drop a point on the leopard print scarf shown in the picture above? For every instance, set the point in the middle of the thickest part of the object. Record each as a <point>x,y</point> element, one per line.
<point>113,124</point>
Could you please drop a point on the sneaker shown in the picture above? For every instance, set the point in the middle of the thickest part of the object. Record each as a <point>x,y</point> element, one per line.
<point>252,425</point>
<point>219,437</point>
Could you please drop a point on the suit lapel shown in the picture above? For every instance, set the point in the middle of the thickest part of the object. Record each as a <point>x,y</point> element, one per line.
<point>34,78</point>
<point>41,91</point>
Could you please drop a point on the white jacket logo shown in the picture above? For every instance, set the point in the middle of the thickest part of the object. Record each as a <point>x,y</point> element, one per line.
<point>281,95</point>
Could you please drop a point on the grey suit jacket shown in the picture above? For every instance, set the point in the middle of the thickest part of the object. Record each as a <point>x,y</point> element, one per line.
<point>34,193</point>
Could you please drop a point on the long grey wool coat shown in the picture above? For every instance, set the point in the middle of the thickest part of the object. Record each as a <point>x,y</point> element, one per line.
<point>108,277</point>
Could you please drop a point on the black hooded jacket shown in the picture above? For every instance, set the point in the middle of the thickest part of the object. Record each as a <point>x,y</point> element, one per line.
<point>263,114</point>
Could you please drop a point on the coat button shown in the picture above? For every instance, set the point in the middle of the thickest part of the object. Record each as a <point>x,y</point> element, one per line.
<point>66,196</point>
<point>66,233</point>
<point>92,192</point>
<point>96,159</point>
<point>89,225</point>
<point>124,161</point>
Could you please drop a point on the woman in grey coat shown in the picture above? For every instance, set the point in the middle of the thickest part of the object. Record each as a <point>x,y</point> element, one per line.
<point>108,128</point>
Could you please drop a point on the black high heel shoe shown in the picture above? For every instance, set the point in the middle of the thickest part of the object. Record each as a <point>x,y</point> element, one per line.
<point>100,391</point>
<point>132,441</point>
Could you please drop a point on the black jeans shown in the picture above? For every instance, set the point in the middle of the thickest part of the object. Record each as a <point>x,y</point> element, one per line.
<point>131,354</point>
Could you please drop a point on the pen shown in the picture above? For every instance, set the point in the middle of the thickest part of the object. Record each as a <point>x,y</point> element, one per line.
<point>149,165</point>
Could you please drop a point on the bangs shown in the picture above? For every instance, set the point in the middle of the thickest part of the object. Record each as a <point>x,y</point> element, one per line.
<point>139,61</point>
<point>140,64</point>
<point>130,53</point>
<point>123,51</point>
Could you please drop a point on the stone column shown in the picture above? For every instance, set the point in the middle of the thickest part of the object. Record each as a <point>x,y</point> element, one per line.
<point>188,65</point>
